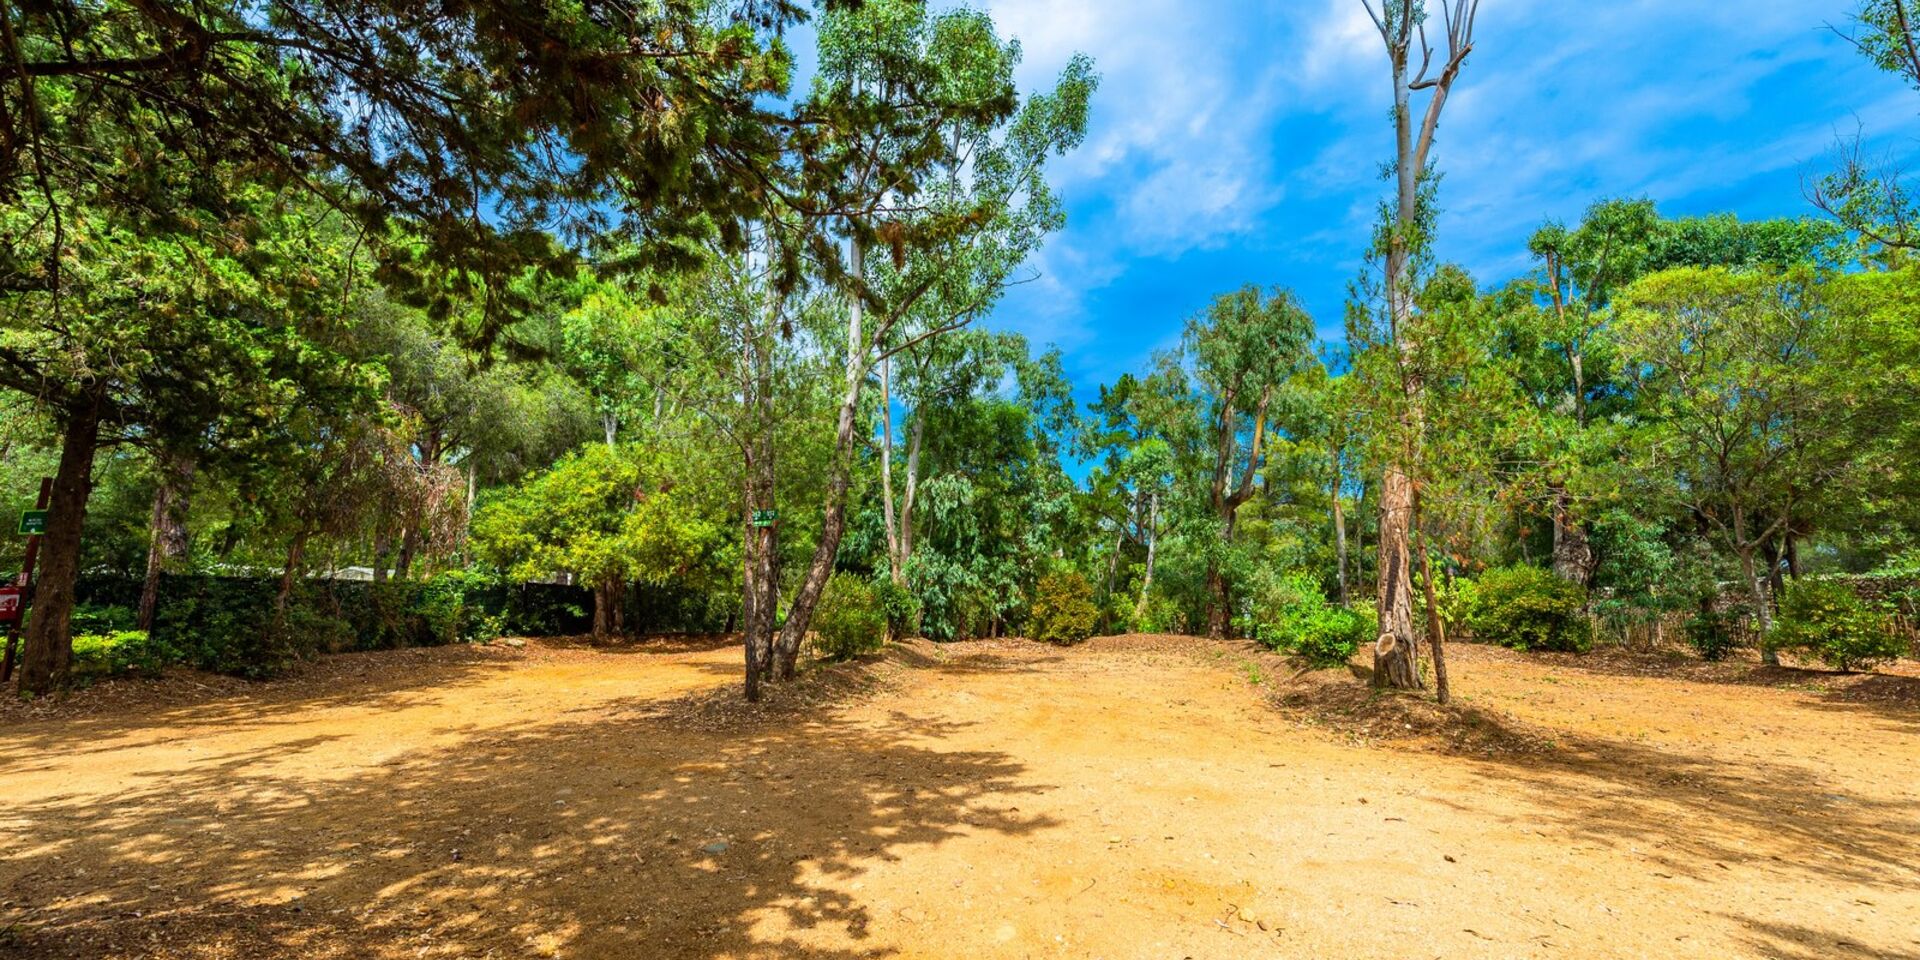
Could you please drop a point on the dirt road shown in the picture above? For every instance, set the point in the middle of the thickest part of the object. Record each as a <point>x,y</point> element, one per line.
<point>1127,799</point>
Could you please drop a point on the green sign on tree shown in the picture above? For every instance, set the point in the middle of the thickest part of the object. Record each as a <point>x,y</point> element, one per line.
<point>765,518</point>
<point>33,523</point>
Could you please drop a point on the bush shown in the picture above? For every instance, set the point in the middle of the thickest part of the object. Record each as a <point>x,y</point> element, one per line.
<point>1293,614</point>
<point>1829,620</point>
<point>850,619</point>
<point>88,618</point>
<point>899,605</point>
<point>1713,635</point>
<point>1329,635</point>
<point>1456,596</point>
<point>1527,608</point>
<point>122,652</point>
<point>1063,609</point>
<point>449,612</point>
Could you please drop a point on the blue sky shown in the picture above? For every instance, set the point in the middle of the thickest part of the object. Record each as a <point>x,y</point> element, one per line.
<point>1239,142</point>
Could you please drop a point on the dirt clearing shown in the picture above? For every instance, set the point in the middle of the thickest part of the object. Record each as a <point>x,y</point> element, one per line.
<point>1157,798</point>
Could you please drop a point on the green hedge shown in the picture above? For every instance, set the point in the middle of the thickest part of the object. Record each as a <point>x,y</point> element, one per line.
<point>226,624</point>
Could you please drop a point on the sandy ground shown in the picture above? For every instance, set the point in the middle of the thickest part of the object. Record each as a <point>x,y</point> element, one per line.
<point>1140,797</point>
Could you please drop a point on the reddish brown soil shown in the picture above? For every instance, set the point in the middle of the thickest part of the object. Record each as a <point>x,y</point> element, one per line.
<point>1134,797</point>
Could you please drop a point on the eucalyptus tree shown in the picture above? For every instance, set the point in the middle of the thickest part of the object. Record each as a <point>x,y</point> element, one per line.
<point>1155,450</point>
<point>934,374</point>
<point>1472,411</point>
<point>750,367</point>
<point>916,143</point>
<point>1888,33</point>
<point>1402,246</point>
<point>1247,350</point>
<point>995,502</point>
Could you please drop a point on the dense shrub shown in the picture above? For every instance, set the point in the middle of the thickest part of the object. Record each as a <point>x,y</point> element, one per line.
<point>88,618</point>
<point>1456,595</point>
<point>1527,608</point>
<point>1292,614</point>
<point>121,652</point>
<point>226,625</point>
<point>899,604</point>
<point>1829,620</point>
<point>1713,634</point>
<point>850,619</point>
<point>1063,609</point>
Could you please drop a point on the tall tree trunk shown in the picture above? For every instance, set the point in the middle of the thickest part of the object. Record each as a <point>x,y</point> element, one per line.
<point>896,562</point>
<point>1746,547</point>
<point>1227,502</point>
<point>602,610</point>
<point>617,593</point>
<point>1396,653</point>
<point>1572,551</point>
<point>1340,545</point>
<point>409,545</point>
<point>913,486</point>
<point>833,524</point>
<point>1436,629</point>
<point>760,551</point>
<point>290,574</point>
<point>1762,610</point>
<point>167,528</point>
<point>48,653</point>
<point>1776,579</point>
<point>1219,597</point>
<point>382,549</point>
<point>1153,544</point>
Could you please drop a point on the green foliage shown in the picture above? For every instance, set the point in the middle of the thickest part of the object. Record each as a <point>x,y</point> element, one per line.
<point>446,608</point>
<point>602,514</point>
<point>101,619</point>
<point>1714,634</point>
<point>1527,608</point>
<point>1457,596</point>
<point>448,613</point>
<point>1829,620</point>
<point>122,652</point>
<point>899,604</point>
<point>1292,614</point>
<point>851,618</point>
<point>1063,610</point>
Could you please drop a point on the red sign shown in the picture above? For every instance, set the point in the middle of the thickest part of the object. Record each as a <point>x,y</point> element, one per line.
<point>9,604</point>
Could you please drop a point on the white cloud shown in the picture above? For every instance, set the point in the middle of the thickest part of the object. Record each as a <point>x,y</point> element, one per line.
<point>1247,136</point>
<point>1176,139</point>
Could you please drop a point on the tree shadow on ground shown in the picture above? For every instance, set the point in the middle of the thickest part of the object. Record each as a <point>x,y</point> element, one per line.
<point>654,831</point>
<point>1894,697</point>
<point>1695,813</point>
<point>1783,941</point>
<point>372,681</point>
